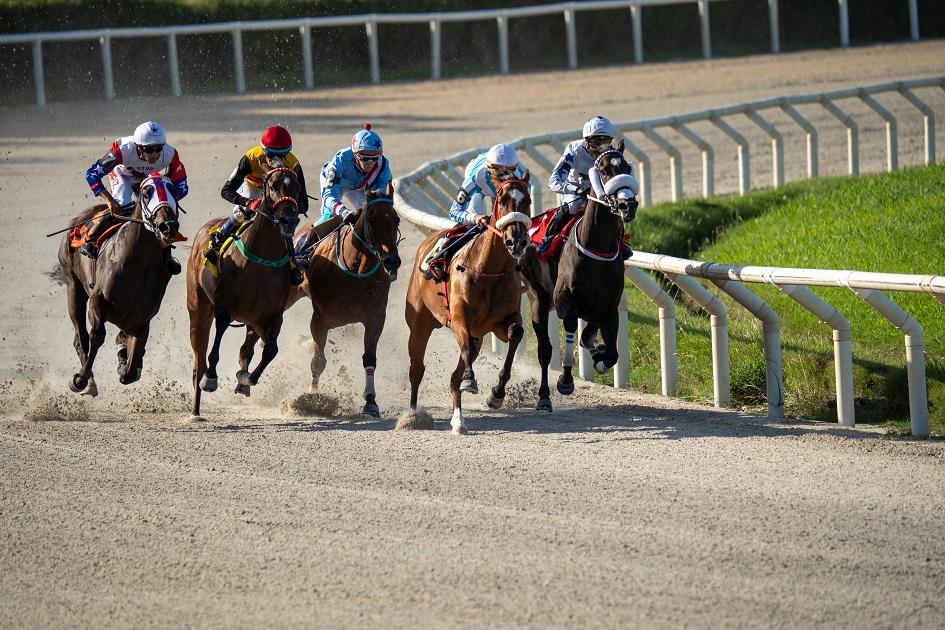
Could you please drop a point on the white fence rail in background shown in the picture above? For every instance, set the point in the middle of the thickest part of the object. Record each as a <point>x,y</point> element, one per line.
<point>304,26</point>
<point>423,196</point>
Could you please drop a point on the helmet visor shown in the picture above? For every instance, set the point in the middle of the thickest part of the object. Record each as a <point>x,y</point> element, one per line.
<point>598,142</point>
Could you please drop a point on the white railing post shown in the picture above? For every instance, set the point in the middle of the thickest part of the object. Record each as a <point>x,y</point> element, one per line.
<point>813,163</point>
<point>107,71</point>
<point>669,375</point>
<point>571,37</point>
<point>370,28</point>
<point>173,67</point>
<point>777,147</point>
<point>844,24</point>
<point>636,25</point>
<point>675,161</point>
<point>914,20</point>
<point>238,73</point>
<point>308,68</point>
<point>853,135</point>
<point>39,83</point>
<point>704,28</point>
<point>622,367</point>
<point>554,334</point>
<point>708,158</point>
<point>435,68</point>
<point>585,363</point>
<point>929,122</point>
<point>892,143</point>
<point>773,25</point>
<point>502,24</point>
<point>744,156</point>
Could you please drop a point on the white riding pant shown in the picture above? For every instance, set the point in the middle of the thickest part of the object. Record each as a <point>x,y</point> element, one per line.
<point>575,203</point>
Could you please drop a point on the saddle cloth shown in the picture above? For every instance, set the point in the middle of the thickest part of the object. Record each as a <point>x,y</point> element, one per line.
<point>214,268</point>
<point>540,226</point>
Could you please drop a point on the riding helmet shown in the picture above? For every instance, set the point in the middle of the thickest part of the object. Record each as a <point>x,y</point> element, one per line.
<point>276,139</point>
<point>502,155</point>
<point>148,133</point>
<point>599,126</point>
<point>366,140</point>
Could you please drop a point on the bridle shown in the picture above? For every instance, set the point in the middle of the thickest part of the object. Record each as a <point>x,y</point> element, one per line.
<point>609,200</point>
<point>366,242</point>
<point>147,217</point>
<point>495,203</point>
<point>266,208</point>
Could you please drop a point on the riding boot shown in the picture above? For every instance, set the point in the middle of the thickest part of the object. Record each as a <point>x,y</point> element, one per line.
<point>90,248</point>
<point>219,237</point>
<point>554,226</point>
<point>295,270</point>
<point>170,262</point>
<point>306,241</point>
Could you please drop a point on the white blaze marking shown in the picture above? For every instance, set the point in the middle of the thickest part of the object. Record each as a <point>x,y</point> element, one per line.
<point>615,161</point>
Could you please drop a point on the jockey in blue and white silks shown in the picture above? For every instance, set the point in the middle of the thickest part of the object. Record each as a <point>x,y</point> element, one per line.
<point>497,164</point>
<point>570,178</point>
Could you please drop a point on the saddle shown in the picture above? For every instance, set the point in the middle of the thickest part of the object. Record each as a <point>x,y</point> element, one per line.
<point>214,268</point>
<point>539,227</point>
<point>80,235</point>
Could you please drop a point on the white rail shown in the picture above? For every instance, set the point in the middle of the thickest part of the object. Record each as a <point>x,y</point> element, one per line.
<point>304,26</point>
<point>424,195</point>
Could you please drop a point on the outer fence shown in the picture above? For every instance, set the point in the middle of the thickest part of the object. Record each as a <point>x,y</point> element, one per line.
<point>423,195</point>
<point>304,26</point>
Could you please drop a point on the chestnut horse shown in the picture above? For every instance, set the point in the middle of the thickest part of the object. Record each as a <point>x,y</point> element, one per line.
<point>124,286</point>
<point>585,279</point>
<point>251,287</point>
<point>348,280</point>
<point>481,295</point>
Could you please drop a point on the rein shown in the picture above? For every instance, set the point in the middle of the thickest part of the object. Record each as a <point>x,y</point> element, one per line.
<point>372,251</point>
<point>263,210</point>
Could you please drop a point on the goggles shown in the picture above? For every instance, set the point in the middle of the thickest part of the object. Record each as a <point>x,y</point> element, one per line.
<point>501,172</point>
<point>152,148</point>
<point>367,159</point>
<point>598,141</point>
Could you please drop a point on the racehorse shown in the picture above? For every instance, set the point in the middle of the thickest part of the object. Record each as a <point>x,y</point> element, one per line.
<point>345,286</point>
<point>124,286</point>
<point>251,285</point>
<point>585,279</point>
<point>482,294</point>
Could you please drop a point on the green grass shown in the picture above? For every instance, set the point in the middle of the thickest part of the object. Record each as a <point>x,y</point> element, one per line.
<point>890,223</point>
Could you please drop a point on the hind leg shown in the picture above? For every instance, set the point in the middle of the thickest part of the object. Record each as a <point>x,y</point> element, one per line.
<point>372,333</point>
<point>221,322</point>
<point>270,337</point>
<point>77,301</point>
<point>131,370</point>
<point>319,339</point>
<point>606,354</point>
<point>96,338</point>
<point>246,355</point>
<point>568,315</point>
<point>588,336</point>
<point>515,332</point>
<point>421,327</point>
<point>540,306</point>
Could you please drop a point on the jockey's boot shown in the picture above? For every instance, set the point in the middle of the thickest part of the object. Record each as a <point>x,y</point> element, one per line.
<point>295,269</point>
<point>219,237</point>
<point>170,262</point>
<point>89,248</point>
<point>302,253</point>
<point>554,226</point>
<point>433,258</point>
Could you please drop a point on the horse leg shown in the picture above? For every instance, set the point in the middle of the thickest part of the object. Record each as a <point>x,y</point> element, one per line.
<point>372,333</point>
<point>84,378</point>
<point>587,337</point>
<point>319,339</point>
<point>77,301</point>
<point>468,351</point>
<point>515,332</point>
<point>270,350</point>
<point>569,319</point>
<point>246,355</point>
<point>606,354</point>
<point>131,371</point>
<point>200,318</point>
<point>420,330</point>
<point>540,307</point>
<point>456,394</point>
<point>221,322</point>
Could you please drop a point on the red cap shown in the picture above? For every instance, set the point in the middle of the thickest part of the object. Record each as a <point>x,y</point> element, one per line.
<point>276,138</point>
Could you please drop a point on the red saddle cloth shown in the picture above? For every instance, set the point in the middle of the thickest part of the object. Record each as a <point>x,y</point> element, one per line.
<point>540,226</point>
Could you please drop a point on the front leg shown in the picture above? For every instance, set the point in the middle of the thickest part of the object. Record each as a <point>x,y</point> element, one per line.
<point>515,333</point>
<point>208,382</point>
<point>131,370</point>
<point>540,305</point>
<point>246,356</point>
<point>568,314</point>
<point>606,355</point>
<point>372,333</point>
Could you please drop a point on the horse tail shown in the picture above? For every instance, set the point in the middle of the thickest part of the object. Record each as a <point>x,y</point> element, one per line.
<point>57,274</point>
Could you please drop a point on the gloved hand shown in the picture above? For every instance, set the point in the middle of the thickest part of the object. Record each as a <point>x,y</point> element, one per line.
<point>349,217</point>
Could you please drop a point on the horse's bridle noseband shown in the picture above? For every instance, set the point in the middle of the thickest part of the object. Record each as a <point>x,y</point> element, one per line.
<point>609,200</point>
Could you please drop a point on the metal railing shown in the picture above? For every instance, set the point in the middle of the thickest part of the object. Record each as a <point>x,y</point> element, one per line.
<point>304,26</point>
<point>423,195</point>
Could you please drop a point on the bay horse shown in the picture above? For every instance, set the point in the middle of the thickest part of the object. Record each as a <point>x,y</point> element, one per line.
<point>251,286</point>
<point>585,279</point>
<point>481,295</point>
<point>124,286</point>
<point>344,284</point>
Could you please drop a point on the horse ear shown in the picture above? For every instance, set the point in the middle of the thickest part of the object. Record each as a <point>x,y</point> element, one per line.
<point>526,176</point>
<point>620,147</point>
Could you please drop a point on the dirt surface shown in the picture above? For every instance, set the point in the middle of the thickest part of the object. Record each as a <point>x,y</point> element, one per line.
<point>617,510</point>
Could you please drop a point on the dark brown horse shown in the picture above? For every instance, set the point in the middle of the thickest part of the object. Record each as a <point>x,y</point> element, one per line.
<point>251,287</point>
<point>585,280</point>
<point>124,286</point>
<point>481,295</point>
<point>348,280</point>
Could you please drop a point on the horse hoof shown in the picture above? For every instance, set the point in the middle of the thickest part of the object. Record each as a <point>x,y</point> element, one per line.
<point>565,388</point>
<point>371,409</point>
<point>243,378</point>
<point>544,404</point>
<point>242,389</point>
<point>130,377</point>
<point>459,431</point>
<point>208,384</point>
<point>469,386</point>
<point>91,389</point>
<point>599,367</point>
<point>495,402</point>
<point>77,384</point>
<point>197,418</point>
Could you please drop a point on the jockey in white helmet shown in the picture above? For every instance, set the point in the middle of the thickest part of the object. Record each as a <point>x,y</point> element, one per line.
<point>128,161</point>
<point>484,174</point>
<point>570,176</point>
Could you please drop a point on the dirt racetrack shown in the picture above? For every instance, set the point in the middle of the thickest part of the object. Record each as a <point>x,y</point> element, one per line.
<point>617,510</point>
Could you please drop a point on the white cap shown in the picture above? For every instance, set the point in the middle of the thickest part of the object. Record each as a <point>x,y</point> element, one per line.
<point>599,126</point>
<point>149,133</point>
<point>502,155</point>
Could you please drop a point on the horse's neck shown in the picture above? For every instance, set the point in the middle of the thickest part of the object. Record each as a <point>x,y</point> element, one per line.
<point>264,238</point>
<point>598,229</point>
<point>488,253</point>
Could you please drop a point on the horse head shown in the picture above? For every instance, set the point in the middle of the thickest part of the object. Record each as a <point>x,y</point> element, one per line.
<point>159,207</point>
<point>280,203</point>
<point>511,212</point>
<point>380,224</point>
<point>613,182</point>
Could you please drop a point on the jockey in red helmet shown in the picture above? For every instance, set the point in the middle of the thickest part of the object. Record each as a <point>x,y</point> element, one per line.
<point>245,185</point>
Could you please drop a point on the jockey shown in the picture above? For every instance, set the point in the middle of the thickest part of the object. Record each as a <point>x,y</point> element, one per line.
<point>570,176</point>
<point>244,188</point>
<point>483,174</point>
<point>129,160</point>
<point>344,181</point>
